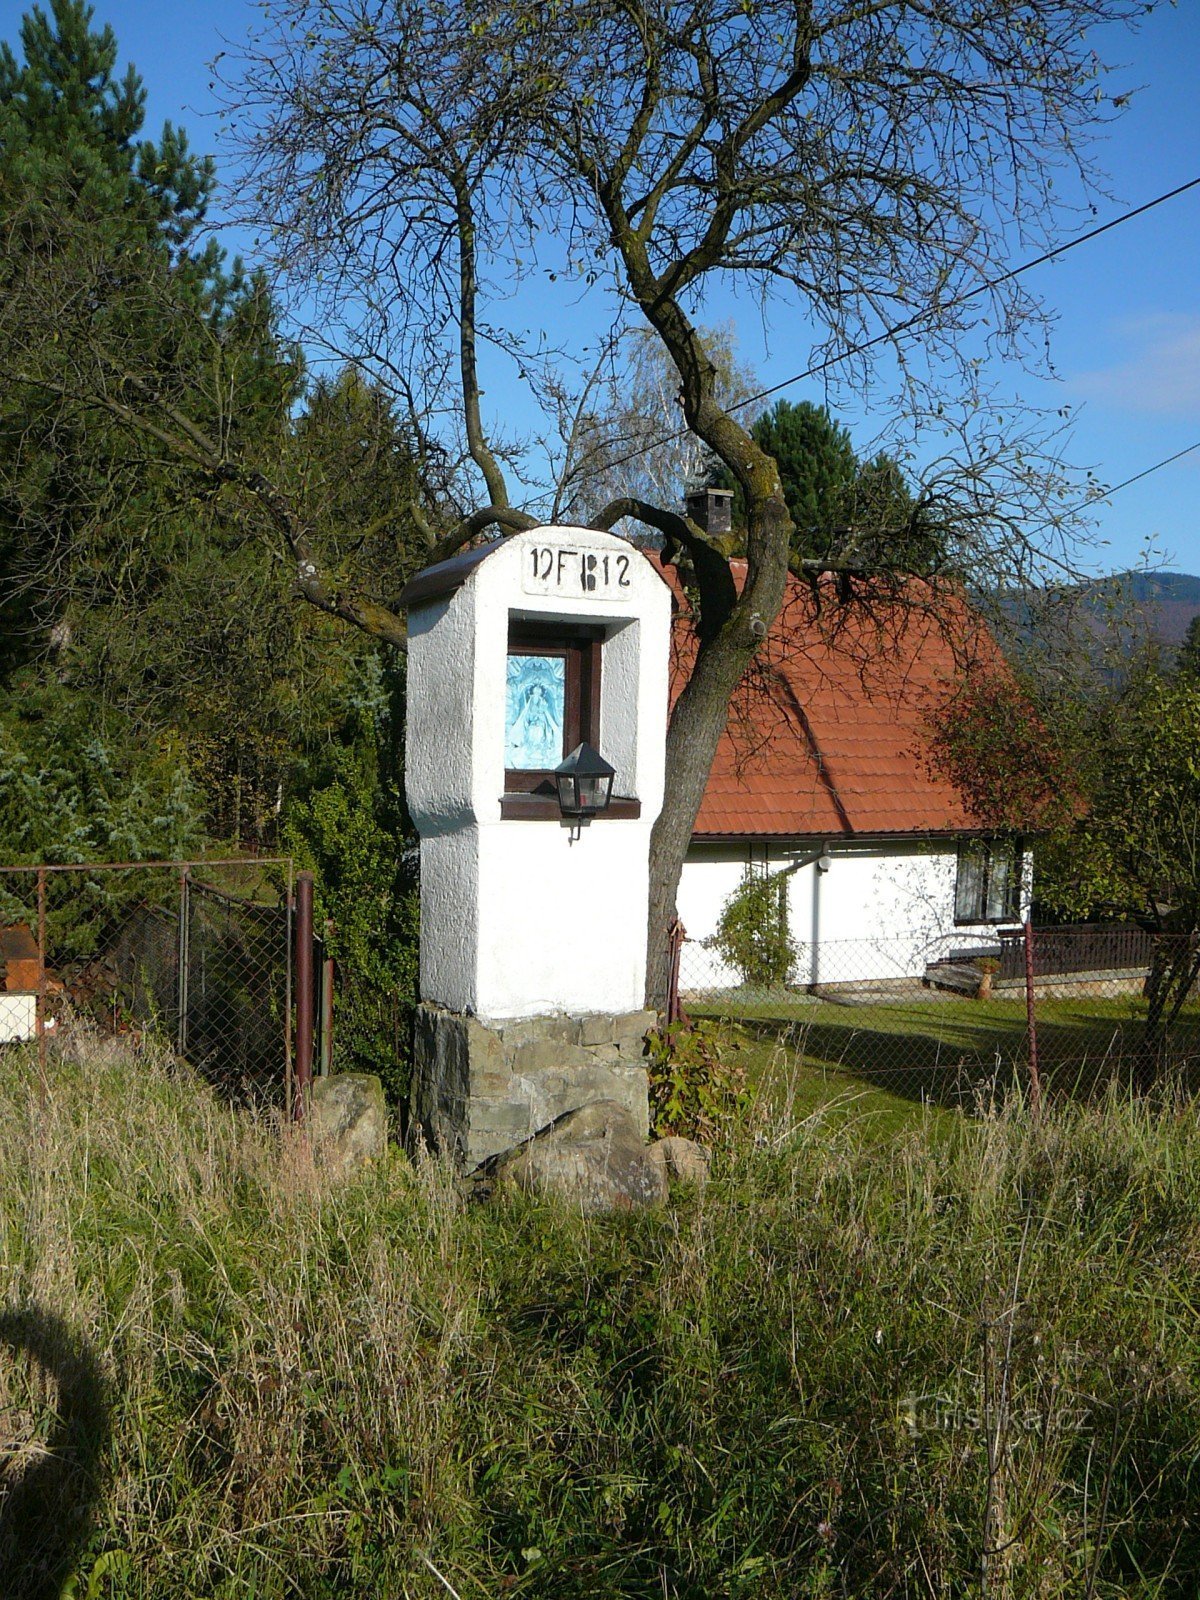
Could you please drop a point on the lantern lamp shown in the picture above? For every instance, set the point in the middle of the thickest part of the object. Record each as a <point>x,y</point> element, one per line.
<point>584,783</point>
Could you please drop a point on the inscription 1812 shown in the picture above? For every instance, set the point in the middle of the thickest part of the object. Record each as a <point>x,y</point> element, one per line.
<point>558,569</point>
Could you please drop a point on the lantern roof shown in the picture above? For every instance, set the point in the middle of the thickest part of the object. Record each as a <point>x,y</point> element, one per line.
<point>584,762</point>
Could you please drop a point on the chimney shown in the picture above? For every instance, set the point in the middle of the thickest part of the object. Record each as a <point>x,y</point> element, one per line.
<point>711,509</point>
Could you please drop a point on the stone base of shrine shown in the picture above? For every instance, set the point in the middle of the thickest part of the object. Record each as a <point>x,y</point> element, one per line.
<point>481,1088</point>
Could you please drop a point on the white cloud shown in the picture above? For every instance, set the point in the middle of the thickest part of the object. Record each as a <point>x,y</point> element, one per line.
<point>1161,372</point>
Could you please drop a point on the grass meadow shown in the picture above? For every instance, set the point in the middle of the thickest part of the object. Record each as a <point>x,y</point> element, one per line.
<point>937,1354</point>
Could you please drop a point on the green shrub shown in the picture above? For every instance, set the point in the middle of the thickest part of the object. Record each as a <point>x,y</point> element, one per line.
<point>79,784</point>
<point>697,1088</point>
<point>348,823</point>
<point>752,933</point>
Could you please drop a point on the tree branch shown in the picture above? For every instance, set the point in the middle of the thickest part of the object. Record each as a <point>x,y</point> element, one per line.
<point>468,292</point>
<point>471,527</point>
<point>717,588</point>
<point>191,444</point>
<point>422,524</point>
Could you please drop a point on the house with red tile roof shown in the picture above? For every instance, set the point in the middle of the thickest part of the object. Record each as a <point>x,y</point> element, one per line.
<point>824,775</point>
<point>20,978</point>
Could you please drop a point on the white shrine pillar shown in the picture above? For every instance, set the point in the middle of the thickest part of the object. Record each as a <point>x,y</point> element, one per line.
<point>533,942</point>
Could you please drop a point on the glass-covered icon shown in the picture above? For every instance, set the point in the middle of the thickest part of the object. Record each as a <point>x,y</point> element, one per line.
<point>535,712</point>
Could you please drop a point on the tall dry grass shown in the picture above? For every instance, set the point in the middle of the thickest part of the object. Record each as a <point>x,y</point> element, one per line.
<point>961,1361</point>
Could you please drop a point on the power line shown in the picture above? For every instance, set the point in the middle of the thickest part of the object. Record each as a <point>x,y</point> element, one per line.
<point>1137,477</point>
<point>971,294</point>
<point>911,322</point>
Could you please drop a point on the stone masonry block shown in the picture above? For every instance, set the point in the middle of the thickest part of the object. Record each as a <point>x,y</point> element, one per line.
<point>486,1048</point>
<point>635,1022</point>
<point>479,1090</point>
<point>596,1030</point>
<point>548,1055</point>
<point>530,1030</point>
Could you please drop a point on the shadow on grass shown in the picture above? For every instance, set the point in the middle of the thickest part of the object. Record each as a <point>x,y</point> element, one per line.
<point>954,1057</point>
<point>48,1495</point>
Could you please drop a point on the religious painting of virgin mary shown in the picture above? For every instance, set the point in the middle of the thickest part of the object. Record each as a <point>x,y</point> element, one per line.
<point>535,712</point>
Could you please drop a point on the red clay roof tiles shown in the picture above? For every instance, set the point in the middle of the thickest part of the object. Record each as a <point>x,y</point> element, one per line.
<point>827,733</point>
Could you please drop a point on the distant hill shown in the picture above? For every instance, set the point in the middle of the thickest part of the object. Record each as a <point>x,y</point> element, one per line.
<point>1164,603</point>
<point>1111,621</point>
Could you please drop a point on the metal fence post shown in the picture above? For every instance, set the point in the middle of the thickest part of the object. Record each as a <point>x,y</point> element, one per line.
<point>1035,1081</point>
<point>41,977</point>
<point>183,954</point>
<point>304,991</point>
<point>676,934</point>
<point>289,957</point>
<point>326,1018</point>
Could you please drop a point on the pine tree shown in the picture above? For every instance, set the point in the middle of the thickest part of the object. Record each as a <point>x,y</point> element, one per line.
<point>1187,662</point>
<point>102,249</point>
<point>85,204</point>
<point>861,513</point>
<point>111,553</point>
<point>356,466</point>
<point>69,127</point>
<point>818,467</point>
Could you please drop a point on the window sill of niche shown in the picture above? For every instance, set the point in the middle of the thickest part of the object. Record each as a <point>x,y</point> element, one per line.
<point>544,808</point>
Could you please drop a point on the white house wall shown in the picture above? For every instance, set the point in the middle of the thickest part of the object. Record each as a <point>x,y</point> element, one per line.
<point>710,874</point>
<point>18,1017</point>
<point>881,911</point>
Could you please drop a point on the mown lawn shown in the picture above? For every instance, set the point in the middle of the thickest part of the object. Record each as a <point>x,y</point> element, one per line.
<point>891,1055</point>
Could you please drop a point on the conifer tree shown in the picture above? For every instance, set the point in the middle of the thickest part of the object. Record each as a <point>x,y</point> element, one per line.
<point>112,552</point>
<point>103,250</point>
<point>69,127</point>
<point>817,467</point>
<point>842,509</point>
<point>1187,662</point>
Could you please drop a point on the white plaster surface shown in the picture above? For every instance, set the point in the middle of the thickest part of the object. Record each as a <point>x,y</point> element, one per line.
<point>516,921</point>
<point>562,925</point>
<point>441,653</point>
<point>450,917</point>
<point>883,910</point>
<point>18,1017</point>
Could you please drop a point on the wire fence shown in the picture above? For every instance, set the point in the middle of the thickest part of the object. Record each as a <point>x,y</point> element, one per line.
<point>199,953</point>
<point>960,1016</point>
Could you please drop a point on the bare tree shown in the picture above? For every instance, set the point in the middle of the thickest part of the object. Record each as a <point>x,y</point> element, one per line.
<point>628,435</point>
<point>867,161</point>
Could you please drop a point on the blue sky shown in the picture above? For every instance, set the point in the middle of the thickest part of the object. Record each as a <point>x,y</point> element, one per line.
<point>1127,342</point>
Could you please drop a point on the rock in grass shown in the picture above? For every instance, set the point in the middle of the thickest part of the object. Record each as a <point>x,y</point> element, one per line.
<point>348,1120</point>
<point>682,1159</point>
<point>593,1157</point>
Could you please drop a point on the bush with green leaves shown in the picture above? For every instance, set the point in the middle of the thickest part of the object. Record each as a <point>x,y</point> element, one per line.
<point>349,825</point>
<point>78,785</point>
<point>752,933</point>
<point>697,1087</point>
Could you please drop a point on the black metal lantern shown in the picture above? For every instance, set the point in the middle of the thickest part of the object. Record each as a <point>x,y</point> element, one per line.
<point>584,782</point>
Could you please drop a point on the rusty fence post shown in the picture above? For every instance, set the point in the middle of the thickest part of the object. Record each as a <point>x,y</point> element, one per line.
<point>326,1018</point>
<point>289,961</point>
<point>184,957</point>
<point>676,934</point>
<point>304,992</point>
<point>41,978</point>
<point>1035,1080</point>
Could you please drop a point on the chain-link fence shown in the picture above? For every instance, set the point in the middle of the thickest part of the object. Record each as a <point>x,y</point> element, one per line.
<point>962,1015</point>
<point>197,952</point>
